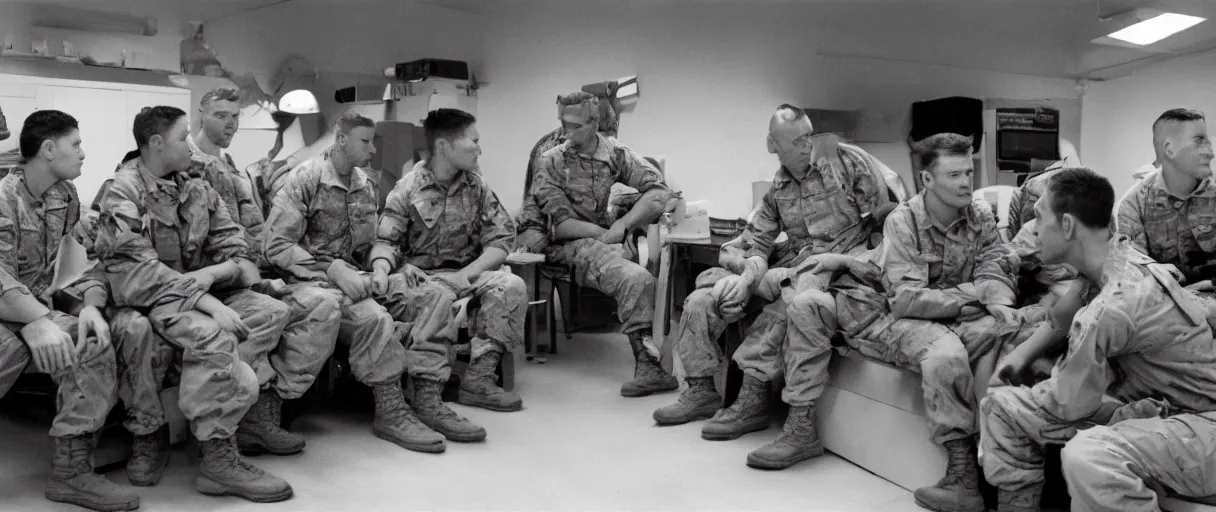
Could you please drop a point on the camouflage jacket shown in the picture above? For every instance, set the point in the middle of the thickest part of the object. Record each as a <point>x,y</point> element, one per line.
<point>1141,335</point>
<point>31,231</point>
<point>931,273</point>
<point>317,218</point>
<point>432,227</point>
<point>152,230</point>
<point>829,211</point>
<point>569,185</point>
<point>1177,231</point>
<point>237,188</point>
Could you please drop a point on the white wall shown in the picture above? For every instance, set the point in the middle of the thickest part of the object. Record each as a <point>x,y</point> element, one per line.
<point>1116,135</point>
<point>710,77</point>
<point>161,52</point>
<point>351,36</point>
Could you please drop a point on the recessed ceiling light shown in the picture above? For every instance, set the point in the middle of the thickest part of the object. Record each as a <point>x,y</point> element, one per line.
<point>1156,28</point>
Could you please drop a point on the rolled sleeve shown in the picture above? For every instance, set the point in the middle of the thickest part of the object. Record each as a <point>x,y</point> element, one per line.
<point>906,276</point>
<point>636,172</point>
<point>286,225</point>
<point>762,231</point>
<point>393,225</point>
<point>1075,391</point>
<point>136,276</point>
<point>548,189</point>
<point>497,229</point>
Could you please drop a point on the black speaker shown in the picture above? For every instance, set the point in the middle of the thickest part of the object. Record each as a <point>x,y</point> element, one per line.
<point>964,116</point>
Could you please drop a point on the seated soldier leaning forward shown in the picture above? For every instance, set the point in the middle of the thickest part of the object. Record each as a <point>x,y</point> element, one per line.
<point>828,212</point>
<point>936,299</point>
<point>573,182</point>
<point>1139,338</point>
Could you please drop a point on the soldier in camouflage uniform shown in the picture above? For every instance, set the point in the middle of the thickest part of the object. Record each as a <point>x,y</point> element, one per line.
<point>444,236</point>
<point>936,299</point>
<point>38,206</point>
<point>319,234</point>
<point>1171,215</point>
<point>1021,203</point>
<point>1140,338</point>
<point>825,211</point>
<point>286,370</point>
<point>573,181</point>
<point>171,252</point>
<point>533,229</point>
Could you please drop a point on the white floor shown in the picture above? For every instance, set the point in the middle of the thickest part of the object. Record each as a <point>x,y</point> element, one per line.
<point>577,445</point>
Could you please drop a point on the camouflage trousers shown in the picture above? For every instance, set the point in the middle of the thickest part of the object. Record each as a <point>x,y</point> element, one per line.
<point>502,306</point>
<point>600,266</point>
<point>217,386</point>
<point>376,355</point>
<point>790,336</point>
<point>86,391</point>
<point>1014,433</point>
<point>942,353</point>
<point>292,363</point>
<point>1126,466</point>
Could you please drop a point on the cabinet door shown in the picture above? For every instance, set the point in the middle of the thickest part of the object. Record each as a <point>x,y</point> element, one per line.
<point>18,102</point>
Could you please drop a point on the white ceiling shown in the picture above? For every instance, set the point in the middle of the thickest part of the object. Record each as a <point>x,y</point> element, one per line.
<point>1055,34</point>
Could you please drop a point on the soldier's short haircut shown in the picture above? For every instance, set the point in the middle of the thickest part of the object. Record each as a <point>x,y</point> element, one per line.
<point>42,126</point>
<point>154,121</point>
<point>1085,194</point>
<point>350,120</point>
<point>220,94</point>
<point>933,147</point>
<point>1178,115</point>
<point>445,123</point>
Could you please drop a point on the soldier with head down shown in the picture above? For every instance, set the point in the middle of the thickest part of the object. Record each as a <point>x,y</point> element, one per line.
<point>572,185</point>
<point>829,213</point>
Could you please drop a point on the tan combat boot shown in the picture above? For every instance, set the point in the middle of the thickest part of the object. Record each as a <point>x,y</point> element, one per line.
<point>149,458</point>
<point>749,413</point>
<point>649,377</point>
<point>224,473</point>
<point>799,441</point>
<point>959,490</point>
<point>396,423</point>
<point>699,402</point>
<point>260,430</point>
<point>73,480</point>
<point>480,390</point>
<point>428,404</point>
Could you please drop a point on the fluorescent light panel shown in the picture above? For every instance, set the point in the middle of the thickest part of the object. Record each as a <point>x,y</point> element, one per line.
<point>1157,28</point>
